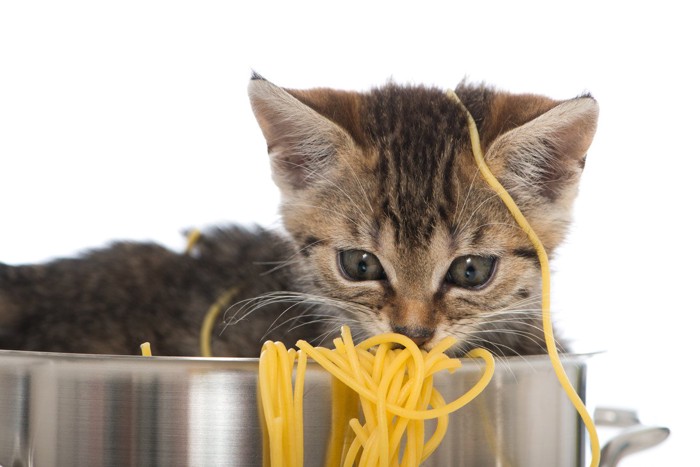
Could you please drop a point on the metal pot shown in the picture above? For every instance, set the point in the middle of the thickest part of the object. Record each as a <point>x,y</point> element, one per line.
<point>90,410</point>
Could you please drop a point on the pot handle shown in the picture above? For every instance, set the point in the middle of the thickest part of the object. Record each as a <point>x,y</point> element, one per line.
<point>633,437</point>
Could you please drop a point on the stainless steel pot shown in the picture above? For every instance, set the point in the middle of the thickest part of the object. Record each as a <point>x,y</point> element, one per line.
<point>89,410</point>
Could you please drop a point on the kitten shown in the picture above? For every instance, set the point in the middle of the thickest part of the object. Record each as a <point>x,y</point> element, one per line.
<point>388,227</point>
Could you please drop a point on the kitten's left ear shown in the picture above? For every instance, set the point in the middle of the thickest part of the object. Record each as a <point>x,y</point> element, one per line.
<point>302,143</point>
<point>540,162</point>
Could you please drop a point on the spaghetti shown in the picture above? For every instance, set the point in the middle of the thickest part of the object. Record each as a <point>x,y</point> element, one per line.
<point>146,349</point>
<point>395,391</point>
<point>210,317</point>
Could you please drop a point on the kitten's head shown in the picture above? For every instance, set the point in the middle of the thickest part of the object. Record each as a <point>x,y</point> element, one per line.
<point>395,227</point>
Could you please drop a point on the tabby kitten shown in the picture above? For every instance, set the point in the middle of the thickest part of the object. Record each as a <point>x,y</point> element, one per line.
<point>388,227</point>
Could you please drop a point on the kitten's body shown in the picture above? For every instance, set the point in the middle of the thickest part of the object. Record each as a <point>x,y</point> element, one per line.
<point>389,227</point>
<point>113,299</point>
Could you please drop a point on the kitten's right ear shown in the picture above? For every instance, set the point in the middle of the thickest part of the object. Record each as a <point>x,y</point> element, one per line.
<point>301,142</point>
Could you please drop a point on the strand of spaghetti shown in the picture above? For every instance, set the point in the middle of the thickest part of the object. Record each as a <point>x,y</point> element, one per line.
<point>436,401</point>
<point>358,442</point>
<point>398,391</point>
<point>263,421</point>
<point>266,377</point>
<point>278,457</point>
<point>336,358</point>
<point>353,359</point>
<point>544,267</point>
<point>299,405</point>
<point>400,411</point>
<point>146,349</point>
<point>359,430</point>
<point>415,429</point>
<point>266,384</point>
<point>397,385</point>
<point>367,363</point>
<point>266,435</point>
<point>286,401</point>
<point>360,458</point>
<point>192,240</point>
<point>292,355</point>
<point>414,442</point>
<point>273,374</point>
<point>370,453</point>
<point>209,319</point>
<point>443,363</point>
<point>409,383</point>
<point>350,414</point>
<point>378,363</point>
<point>438,350</point>
<point>394,371</point>
<point>450,365</point>
<point>408,397</point>
<point>393,337</point>
<point>344,401</point>
<point>277,399</point>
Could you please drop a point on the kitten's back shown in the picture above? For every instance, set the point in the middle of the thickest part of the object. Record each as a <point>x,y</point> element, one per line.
<point>110,300</point>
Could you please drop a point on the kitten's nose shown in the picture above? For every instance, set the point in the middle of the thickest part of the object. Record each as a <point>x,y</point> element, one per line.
<point>419,335</point>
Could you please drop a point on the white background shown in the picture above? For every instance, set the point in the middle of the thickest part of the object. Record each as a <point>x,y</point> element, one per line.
<point>130,120</point>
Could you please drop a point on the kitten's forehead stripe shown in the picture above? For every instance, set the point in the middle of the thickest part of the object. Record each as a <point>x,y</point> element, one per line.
<point>449,184</point>
<point>418,132</point>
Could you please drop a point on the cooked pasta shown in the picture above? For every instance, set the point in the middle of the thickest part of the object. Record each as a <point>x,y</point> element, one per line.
<point>395,391</point>
<point>146,349</point>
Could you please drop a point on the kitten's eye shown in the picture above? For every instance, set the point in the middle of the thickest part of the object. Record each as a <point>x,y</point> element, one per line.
<point>471,272</point>
<point>358,265</point>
